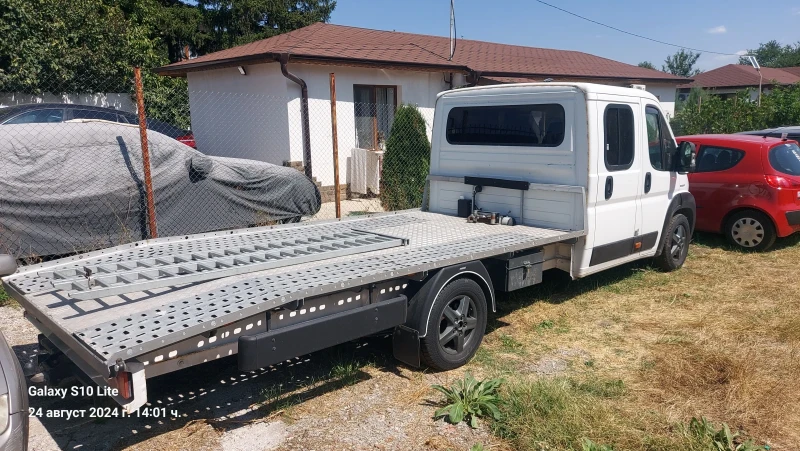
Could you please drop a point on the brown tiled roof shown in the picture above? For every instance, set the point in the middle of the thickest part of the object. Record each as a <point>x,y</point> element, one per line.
<point>740,76</point>
<point>792,70</point>
<point>336,44</point>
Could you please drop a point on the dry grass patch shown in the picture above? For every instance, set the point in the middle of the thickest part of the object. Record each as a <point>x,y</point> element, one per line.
<point>719,338</point>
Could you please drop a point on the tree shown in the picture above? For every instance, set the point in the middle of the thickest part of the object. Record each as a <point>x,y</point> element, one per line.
<point>681,63</point>
<point>647,65</point>
<point>773,54</point>
<point>235,22</point>
<point>406,162</point>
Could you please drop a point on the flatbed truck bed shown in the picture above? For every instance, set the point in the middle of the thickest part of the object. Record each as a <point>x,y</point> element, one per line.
<point>182,322</point>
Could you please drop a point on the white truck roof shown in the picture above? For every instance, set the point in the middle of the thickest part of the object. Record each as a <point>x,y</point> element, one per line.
<point>590,89</point>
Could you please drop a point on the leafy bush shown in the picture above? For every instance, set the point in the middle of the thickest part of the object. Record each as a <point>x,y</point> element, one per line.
<point>704,112</point>
<point>469,399</point>
<point>406,162</point>
<point>706,435</point>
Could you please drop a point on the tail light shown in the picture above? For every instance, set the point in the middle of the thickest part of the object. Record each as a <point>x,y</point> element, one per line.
<point>188,140</point>
<point>787,185</point>
<point>776,181</point>
<point>124,384</point>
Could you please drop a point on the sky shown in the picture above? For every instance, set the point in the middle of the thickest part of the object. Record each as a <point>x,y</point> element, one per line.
<point>731,26</point>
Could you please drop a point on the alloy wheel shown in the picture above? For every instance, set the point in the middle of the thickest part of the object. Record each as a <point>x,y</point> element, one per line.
<point>457,324</point>
<point>678,241</point>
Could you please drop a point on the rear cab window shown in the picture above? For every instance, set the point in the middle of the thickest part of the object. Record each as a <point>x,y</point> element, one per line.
<point>714,159</point>
<point>537,125</point>
<point>785,158</point>
<point>620,137</point>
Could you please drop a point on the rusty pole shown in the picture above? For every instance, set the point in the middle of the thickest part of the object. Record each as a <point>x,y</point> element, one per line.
<point>148,181</point>
<point>336,193</point>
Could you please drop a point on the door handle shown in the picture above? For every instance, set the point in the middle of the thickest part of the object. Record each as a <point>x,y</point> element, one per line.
<point>648,182</point>
<point>609,187</point>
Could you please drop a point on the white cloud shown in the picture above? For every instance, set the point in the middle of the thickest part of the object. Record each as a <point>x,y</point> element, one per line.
<point>796,11</point>
<point>717,30</point>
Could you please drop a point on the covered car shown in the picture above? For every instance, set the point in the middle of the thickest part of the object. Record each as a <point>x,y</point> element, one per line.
<point>71,187</point>
<point>13,401</point>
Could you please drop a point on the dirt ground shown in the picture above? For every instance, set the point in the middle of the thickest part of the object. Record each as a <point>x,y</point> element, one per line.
<point>353,396</point>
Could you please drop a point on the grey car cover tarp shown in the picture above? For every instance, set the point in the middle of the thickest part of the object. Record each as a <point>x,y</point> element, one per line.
<point>73,187</point>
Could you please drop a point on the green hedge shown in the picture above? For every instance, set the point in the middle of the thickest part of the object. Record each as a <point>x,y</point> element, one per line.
<point>705,112</point>
<point>406,161</point>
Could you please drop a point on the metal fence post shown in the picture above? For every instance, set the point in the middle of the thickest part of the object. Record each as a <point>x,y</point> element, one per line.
<point>148,182</point>
<point>335,136</point>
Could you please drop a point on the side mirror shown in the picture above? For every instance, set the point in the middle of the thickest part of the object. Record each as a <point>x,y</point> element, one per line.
<point>687,157</point>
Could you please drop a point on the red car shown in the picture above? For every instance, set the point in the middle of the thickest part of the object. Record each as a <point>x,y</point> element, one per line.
<point>746,187</point>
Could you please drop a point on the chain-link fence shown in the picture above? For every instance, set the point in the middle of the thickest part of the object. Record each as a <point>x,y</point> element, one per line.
<point>222,155</point>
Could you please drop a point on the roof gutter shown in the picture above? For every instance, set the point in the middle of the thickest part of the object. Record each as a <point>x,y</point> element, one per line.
<point>284,59</point>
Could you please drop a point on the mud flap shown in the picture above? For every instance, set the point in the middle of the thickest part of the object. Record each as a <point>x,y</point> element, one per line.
<point>405,346</point>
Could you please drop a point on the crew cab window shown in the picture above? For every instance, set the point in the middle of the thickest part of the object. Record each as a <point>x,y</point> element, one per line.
<point>659,138</point>
<point>539,125</point>
<point>712,159</point>
<point>785,158</point>
<point>92,114</point>
<point>43,116</point>
<point>620,137</point>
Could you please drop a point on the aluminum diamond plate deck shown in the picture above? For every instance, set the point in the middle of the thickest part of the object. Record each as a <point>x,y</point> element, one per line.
<point>157,318</point>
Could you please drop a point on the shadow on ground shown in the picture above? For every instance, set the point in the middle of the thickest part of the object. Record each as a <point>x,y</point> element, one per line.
<point>218,393</point>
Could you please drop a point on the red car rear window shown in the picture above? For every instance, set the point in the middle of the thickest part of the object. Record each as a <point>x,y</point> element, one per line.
<point>785,158</point>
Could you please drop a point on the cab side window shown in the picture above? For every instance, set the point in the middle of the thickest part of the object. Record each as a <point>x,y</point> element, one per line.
<point>659,138</point>
<point>619,137</point>
<point>713,159</point>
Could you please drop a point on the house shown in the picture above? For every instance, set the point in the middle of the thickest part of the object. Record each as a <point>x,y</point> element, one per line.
<point>250,101</point>
<point>726,81</point>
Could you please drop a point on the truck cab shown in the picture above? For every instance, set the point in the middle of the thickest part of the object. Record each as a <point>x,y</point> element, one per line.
<point>597,157</point>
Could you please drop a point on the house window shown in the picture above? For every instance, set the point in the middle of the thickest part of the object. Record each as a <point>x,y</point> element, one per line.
<point>374,110</point>
<point>539,125</point>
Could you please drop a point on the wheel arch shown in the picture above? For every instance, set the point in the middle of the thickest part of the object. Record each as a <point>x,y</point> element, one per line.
<point>684,204</point>
<point>421,302</point>
<point>742,208</point>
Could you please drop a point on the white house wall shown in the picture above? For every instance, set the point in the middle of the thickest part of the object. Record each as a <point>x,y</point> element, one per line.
<point>241,116</point>
<point>417,88</point>
<point>666,95</point>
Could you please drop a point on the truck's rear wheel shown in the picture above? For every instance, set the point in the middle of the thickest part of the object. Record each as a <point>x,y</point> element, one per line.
<point>675,248</point>
<point>456,325</point>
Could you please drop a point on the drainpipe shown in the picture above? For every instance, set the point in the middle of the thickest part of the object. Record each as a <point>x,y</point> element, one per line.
<point>303,112</point>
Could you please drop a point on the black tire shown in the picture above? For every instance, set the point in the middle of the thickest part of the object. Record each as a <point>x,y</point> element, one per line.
<point>675,247</point>
<point>750,230</point>
<point>457,320</point>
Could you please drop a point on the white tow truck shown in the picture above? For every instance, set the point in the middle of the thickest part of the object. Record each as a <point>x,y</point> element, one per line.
<point>524,178</point>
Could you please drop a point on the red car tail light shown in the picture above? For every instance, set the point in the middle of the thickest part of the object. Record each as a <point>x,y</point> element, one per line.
<point>776,181</point>
<point>188,140</point>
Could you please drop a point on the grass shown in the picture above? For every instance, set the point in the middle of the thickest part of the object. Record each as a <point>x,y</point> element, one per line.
<point>646,352</point>
<point>5,299</point>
